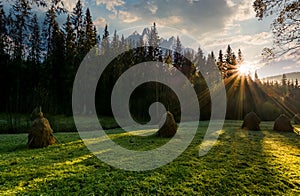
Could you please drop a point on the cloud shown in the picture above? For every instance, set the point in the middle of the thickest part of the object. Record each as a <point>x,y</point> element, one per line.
<point>259,39</point>
<point>171,20</point>
<point>100,22</point>
<point>230,3</point>
<point>200,15</point>
<point>287,67</point>
<point>110,5</point>
<point>241,11</point>
<point>127,17</point>
<point>70,4</point>
<point>151,7</point>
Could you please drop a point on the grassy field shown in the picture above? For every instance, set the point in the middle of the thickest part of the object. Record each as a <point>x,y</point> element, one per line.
<point>242,162</point>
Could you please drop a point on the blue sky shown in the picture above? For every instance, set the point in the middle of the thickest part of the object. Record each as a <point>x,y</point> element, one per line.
<point>212,23</point>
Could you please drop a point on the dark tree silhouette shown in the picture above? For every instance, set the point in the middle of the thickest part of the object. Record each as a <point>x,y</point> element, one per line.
<point>285,25</point>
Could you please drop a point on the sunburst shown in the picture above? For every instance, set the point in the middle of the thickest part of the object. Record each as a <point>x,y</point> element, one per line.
<point>245,69</point>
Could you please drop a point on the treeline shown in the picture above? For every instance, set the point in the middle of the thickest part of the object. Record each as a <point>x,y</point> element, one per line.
<point>285,82</point>
<point>39,59</point>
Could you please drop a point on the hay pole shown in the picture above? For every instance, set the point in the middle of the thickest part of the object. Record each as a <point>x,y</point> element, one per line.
<point>56,138</point>
<point>15,148</point>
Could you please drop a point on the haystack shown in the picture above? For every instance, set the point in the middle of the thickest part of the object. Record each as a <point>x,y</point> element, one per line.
<point>169,128</point>
<point>283,123</point>
<point>297,119</point>
<point>251,122</point>
<point>40,134</point>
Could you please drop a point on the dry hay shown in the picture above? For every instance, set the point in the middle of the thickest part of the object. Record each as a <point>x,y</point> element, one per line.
<point>169,127</point>
<point>40,134</point>
<point>297,119</point>
<point>251,122</point>
<point>283,123</point>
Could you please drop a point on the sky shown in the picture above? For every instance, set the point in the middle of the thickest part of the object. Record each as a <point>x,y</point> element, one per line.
<point>212,24</point>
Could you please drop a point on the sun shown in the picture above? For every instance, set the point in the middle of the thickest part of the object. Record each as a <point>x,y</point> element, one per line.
<point>244,68</point>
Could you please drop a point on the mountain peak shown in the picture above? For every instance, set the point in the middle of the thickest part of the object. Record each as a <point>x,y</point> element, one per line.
<point>146,31</point>
<point>135,33</point>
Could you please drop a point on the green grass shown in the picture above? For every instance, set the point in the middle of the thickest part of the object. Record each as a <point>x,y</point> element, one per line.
<point>241,163</point>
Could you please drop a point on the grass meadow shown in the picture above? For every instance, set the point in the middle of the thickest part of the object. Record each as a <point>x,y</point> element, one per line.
<point>241,163</point>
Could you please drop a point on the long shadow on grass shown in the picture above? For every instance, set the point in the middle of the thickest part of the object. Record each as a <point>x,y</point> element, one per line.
<point>237,165</point>
<point>248,169</point>
<point>288,138</point>
<point>24,169</point>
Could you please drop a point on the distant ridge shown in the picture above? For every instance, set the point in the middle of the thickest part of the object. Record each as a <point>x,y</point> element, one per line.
<point>289,76</point>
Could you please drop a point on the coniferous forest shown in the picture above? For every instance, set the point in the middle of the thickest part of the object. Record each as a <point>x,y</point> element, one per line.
<point>40,58</point>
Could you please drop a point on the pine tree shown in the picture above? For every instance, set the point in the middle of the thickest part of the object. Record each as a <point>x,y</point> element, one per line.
<point>240,57</point>
<point>69,54</point>
<point>229,54</point>
<point>154,51</point>
<point>283,80</point>
<point>115,44</point>
<point>3,32</point>
<point>230,62</point>
<point>256,76</point>
<point>222,65</point>
<point>56,68</point>
<point>48,29</point>
<point>4,72</point>
<point>178,59</point>
<point>168,58</point>
<point>19,26</point>
<point>77,21</point>
<point>70,42</point>
<point>90,34</point>
<point>105,41</point>
<point>123,43</point>
<point>140,51</point>
<point>211,60</point>
<point>35,41</point>
<point>78,30</point>
<point>200,58</point>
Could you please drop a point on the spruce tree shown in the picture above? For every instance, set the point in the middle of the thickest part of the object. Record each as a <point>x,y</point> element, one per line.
<point>19,27</point>
<point>200,58</point>
<point>178,59</point>
<point>90,34</point>
<point>154,51</point>
<point>70,42</point>
<point>105,41</point>
<point>48,29</point>
<point>283,80</point>
<point>221,64</point>
<point>78,30</point>
<point>240,57</point>
<point>3,30</point>
<point>35,42</point>
<point>230,61</point>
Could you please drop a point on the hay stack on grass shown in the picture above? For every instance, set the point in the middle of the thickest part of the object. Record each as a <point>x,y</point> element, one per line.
<point>169,128</point>
<point>40,134</point>
<point>283,123</point>
<point>251,122</point>
<point>297,119</point>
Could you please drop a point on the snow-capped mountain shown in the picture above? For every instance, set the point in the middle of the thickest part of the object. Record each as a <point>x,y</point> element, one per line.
<point>168,43</point>
<point>135,38</point>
